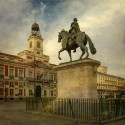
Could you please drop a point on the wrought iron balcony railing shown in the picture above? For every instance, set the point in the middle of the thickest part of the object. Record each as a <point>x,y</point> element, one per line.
<point>41,80</point>
<point>11,85</point>
<point>20,86</point>
<point>30,79</point>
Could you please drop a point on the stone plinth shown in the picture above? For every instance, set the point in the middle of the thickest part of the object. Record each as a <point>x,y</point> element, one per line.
<point>78,79</point>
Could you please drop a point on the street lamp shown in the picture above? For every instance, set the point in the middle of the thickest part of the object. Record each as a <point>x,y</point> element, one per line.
<point>5,98</point>
<point>34,78</point>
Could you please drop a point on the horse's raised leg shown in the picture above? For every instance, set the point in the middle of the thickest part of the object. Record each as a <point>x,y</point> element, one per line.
<point>69,51</point>
<point>59,53</point>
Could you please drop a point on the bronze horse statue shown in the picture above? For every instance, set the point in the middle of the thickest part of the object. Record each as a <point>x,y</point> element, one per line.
<point>80,40</point>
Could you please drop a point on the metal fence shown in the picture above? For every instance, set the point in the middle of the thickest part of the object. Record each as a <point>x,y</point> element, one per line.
<point>94,110</point>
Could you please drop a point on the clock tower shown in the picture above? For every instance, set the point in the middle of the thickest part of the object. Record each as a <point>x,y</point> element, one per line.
<point>35,41</point>
<point>35,46</point>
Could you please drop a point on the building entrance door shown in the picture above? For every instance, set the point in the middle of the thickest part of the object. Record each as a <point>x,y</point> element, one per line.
<point>38,91</point>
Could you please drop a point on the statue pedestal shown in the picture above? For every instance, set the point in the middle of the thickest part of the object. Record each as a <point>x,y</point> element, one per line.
<point>78,79</point>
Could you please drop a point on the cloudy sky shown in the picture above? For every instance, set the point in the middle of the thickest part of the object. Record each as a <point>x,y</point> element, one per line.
<point>102,20</point>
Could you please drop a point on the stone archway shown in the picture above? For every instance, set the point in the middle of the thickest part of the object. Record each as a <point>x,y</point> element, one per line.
<point>38,91</point>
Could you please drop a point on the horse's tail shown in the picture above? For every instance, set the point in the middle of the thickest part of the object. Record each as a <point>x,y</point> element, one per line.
<point>91,45</point>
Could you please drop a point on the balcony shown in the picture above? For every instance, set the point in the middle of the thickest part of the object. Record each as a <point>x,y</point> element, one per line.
<point>51,80</point>
<point>11,85</point>
<point>30,79</point>
<point>1,75</point>
<point>46,80</point>
<point>20,86</point>
<point>40,80</point>
<point>11,77</point>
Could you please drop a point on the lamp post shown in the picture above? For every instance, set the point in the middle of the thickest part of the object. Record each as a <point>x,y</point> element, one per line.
<point>5,98</point>
<point>34,78</point>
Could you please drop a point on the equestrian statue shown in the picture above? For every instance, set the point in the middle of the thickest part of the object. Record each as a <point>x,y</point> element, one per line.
<point>73,39</point>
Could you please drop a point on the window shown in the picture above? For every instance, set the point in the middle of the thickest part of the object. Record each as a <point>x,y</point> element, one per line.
<point>30,93</point>
<point>51,92</point>
<point>1,71</point>
<point>11,84</point>
<point>30,74</point>
<point>11,92</point>
<point>1,91</point>
<point>20,84</point>
<point>20,73</point>
<point>30,44</point>
<point>38,76</point>
<point>45,76</point>
<point>38,44</point>
<point>11,72</point>
<point>51,76</point>
<point>16,92</point>
<point>20,92</point>
<point>44,92</point>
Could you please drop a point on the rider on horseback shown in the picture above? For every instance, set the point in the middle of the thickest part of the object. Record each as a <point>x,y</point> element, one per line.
<point>73,30</point>
<point>74,27</point>
<point>74,39</point>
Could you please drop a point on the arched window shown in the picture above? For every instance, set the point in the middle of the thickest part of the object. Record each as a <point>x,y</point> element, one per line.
<point>38,44</point>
